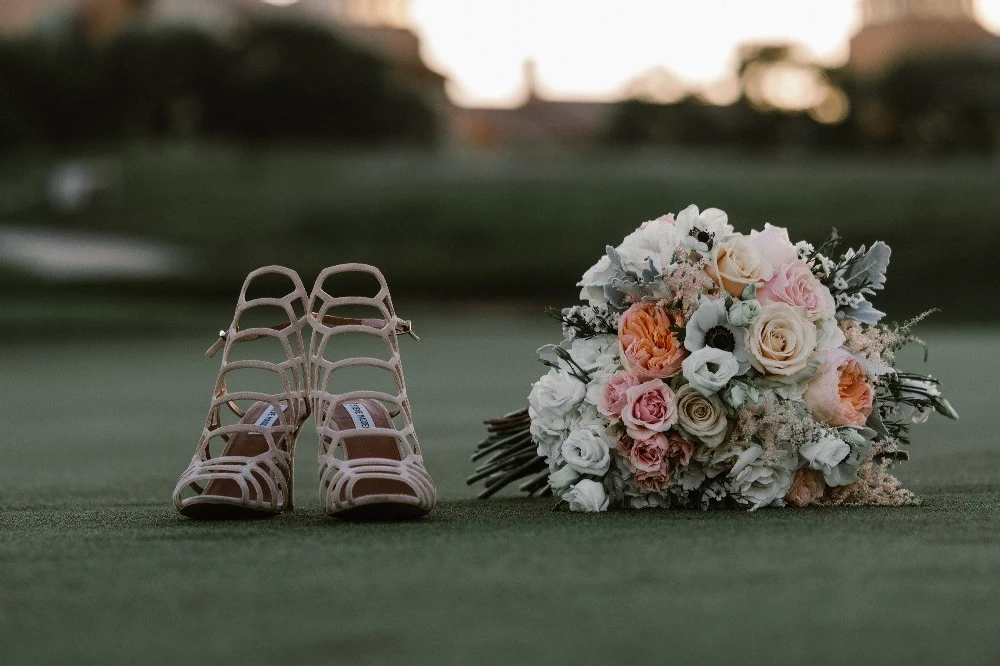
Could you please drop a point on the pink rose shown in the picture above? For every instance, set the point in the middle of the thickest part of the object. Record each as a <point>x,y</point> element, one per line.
<point>647,455</point>
<point>654,481</point>
<point>806,488</point>
<point>679,450</point>
<point>796,285</point>
<point>649,409</point>
<point>774,246</point>
<point>612,400</point>
<point>839,394</point>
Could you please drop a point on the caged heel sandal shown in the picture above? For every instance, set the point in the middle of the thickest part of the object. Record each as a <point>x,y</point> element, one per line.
<point>251,476</point>
<point>371,467</point>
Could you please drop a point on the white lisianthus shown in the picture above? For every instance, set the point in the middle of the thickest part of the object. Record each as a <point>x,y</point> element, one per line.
<point>547,438</point>
<point>586,495</point>
<point>555,396</point>
<point>699,231</point>
<point>825,455</point>
<point>838,455</point>
<point>588,450</point>
<point>710,369</point>
<point>562,479</point>
<point>587,416</point>
<point>593,281</point>
<point>828,335</point>
<point>599,353</point>
<point>552,404</point>
<point>758,480</point>
<point>654,241</point>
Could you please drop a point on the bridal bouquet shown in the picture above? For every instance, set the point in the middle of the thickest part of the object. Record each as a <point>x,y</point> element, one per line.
<point>709,367</point>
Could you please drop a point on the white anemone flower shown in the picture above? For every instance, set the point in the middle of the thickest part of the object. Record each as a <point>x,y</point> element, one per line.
<point>699,231</point>
<point>709,326</point>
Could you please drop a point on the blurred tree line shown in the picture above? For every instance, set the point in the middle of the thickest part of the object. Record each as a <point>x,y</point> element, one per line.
<point>267,80</point>
<point>942,103</point>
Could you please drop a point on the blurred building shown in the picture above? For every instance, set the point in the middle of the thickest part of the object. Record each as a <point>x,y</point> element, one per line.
<point>894,30</point>
<point>537,121</point>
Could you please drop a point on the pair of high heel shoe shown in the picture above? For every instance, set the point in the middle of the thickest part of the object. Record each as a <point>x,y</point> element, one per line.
<point>370,463</point>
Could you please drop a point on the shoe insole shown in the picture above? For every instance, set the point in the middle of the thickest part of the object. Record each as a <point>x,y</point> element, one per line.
<point>263,416</point>
<point>363,414</point>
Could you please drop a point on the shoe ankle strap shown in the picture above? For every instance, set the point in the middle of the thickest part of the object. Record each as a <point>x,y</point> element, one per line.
<point>403,327</point>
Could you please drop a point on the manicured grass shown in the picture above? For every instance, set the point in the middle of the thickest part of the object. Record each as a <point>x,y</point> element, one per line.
<point>95,567</point>
<point>451,226</point>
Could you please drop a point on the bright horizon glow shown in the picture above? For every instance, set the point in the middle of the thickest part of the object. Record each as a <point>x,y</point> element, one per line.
<point>589,49</point>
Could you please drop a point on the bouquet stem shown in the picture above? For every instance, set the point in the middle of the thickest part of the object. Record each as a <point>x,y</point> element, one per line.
<point>508,455</point>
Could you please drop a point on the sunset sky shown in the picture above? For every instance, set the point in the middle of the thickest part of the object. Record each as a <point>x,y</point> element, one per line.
<point>589,49</point>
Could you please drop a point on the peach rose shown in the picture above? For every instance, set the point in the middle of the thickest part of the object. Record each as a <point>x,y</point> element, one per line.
<point>806,488</point>
<point>781,340</point>
<point>796,285</point>
<point>738,263</point>
<point>839,394</point>
<point>612,399</point>
<point>649,348</point>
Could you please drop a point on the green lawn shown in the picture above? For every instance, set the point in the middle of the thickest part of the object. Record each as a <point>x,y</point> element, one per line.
<point>460,226</point>
<point>95,567</point>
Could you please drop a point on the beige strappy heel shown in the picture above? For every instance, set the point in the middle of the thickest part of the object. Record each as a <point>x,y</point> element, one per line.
<point>370,467</point>
<point>251,476</point>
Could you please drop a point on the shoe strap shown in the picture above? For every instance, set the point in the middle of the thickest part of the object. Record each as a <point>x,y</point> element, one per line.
<point>403,327</point>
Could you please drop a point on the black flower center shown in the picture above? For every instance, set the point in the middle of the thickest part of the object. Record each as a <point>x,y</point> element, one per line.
<point>703,236</point>
<point>720,337</point>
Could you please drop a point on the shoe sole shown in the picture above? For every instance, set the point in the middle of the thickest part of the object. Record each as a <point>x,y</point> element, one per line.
<point>208,511</point>
<point>381,512</point>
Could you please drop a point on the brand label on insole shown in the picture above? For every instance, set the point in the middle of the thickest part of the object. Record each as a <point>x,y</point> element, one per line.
<point>270,416</point>
<point>362,419</point>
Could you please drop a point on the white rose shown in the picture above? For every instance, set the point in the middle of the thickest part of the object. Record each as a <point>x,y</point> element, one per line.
<point>593,282</point>
<point>709,369</point>
<point>825,454</point>
<point>737,263</point>
<point>760,482</point>
<point>588,450</point>
<point>587,495</point>
<point>781,340</point>
<point>563,478</point>
<point>701,417</point>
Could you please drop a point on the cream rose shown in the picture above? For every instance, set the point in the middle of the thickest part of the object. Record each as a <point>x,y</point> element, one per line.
<point>738,263</point>
<point>702,417</point>
<point>781,340</point>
